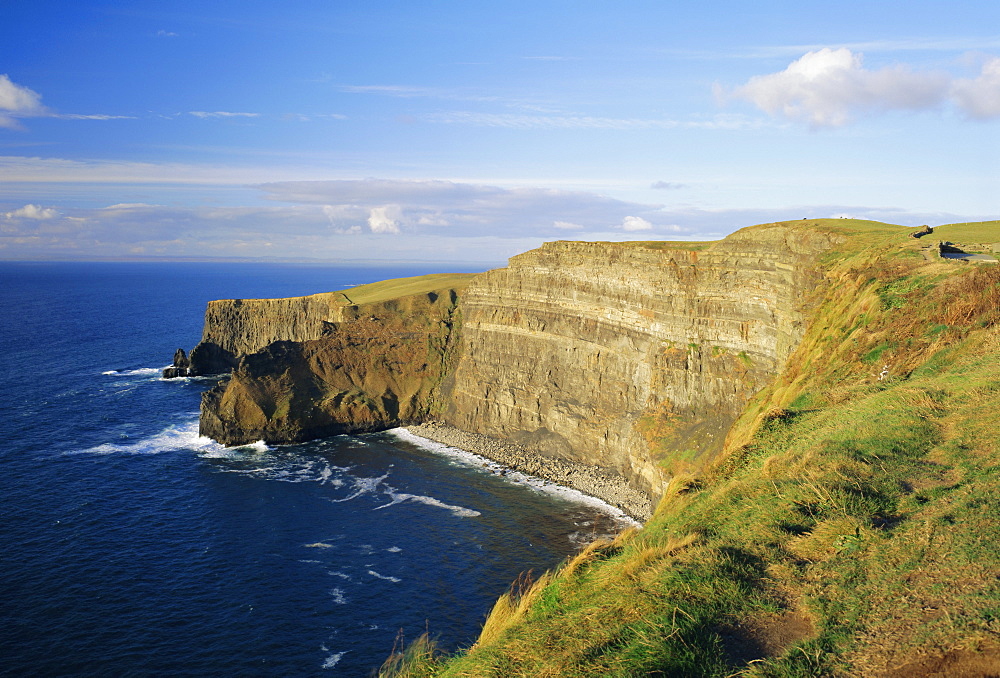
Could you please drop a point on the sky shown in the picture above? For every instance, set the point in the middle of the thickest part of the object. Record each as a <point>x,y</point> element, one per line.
<point>469,131</point>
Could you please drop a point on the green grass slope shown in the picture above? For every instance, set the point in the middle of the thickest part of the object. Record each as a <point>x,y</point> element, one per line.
<point>852,528</point>
<point>402,287</point>
<point>395,288</point>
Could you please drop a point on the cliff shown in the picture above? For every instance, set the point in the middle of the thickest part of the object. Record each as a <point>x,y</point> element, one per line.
<point>238,327</point>
<point>822,396</point>
<point>631,356</point>
<point>634,358</point>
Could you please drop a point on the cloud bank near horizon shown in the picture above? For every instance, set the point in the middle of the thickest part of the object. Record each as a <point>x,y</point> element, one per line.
<point>381,219</point>
<point>463,209</point>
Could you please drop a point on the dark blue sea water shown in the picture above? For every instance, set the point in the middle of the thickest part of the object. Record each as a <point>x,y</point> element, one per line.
<point>129,546</point>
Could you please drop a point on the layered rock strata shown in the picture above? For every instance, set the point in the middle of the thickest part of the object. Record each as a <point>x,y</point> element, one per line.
<point>631,359</point>
<point>238,327</point>
<point>628,356</point>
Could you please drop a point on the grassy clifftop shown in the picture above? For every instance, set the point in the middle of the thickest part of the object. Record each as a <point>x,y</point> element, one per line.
<point>401,287</point>
<point>851,527</point>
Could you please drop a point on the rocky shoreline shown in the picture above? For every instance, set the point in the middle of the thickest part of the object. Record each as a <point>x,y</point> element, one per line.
<point>590,480</point>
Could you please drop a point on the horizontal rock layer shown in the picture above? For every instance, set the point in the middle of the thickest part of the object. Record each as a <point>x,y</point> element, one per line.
<point>628,356</point>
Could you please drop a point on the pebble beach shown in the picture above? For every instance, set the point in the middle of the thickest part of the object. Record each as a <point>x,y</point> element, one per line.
<point>588,479</point>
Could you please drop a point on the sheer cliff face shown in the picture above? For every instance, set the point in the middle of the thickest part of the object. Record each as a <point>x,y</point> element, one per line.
<point>626,356</point>
<point>236,327</point>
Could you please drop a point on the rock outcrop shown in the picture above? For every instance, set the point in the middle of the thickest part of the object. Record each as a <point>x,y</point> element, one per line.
<point>181,366</point>
<point>632,357</point>
<point>376,367</point>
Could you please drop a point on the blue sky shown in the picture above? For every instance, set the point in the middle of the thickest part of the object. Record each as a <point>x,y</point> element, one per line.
<point>470,131</point>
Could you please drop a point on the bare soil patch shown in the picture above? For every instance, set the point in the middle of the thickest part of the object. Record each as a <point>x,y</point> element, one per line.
<point>765,636</point>
<point>954,664</point>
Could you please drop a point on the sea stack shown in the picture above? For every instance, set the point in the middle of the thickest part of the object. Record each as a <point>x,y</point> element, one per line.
<point>181,366</point>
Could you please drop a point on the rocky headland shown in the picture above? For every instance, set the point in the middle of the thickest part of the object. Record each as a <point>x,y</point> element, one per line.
<point>605,366</point>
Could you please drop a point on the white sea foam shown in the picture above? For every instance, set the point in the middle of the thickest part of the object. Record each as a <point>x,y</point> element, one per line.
<point>375,574</point>
<point>538,484</point>
<point>171,439</point>
<point>181,380</point>
<point>333,659</point>
<point>319,545</point>
<point>400,497</point>
<point>453,453</point>
<point>363,486</point>
<point>258,460</point>
<point>140,372</point>
<point>394,549</point>
<point>337,594</point>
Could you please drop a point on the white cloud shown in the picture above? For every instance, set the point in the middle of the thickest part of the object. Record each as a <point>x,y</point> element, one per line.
<point>222,114</point>
<point>20,102</point>
<point>555,121</point>
<point>980,97</point>
<point>829,87</point>
<point>567,225</point>
<point>62,170</point>
<point>33,212</point>
<point>385,219</point>
<point>433,219</point>
<point>636,224</point>
<point>409,92</point>
<point>666,185</point>
<point>95,116</point>
<point>16,101</point>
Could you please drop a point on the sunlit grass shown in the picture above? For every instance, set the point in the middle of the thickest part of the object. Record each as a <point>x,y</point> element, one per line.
<point>395,288</point>
<point>851,527</point>
<point>401,287</point>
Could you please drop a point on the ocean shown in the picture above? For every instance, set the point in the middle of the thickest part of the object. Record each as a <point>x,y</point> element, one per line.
<point>133,547</point>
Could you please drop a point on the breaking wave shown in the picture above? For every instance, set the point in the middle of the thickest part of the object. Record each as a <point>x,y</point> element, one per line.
<point>140,372</point>
<point>171,439</point>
